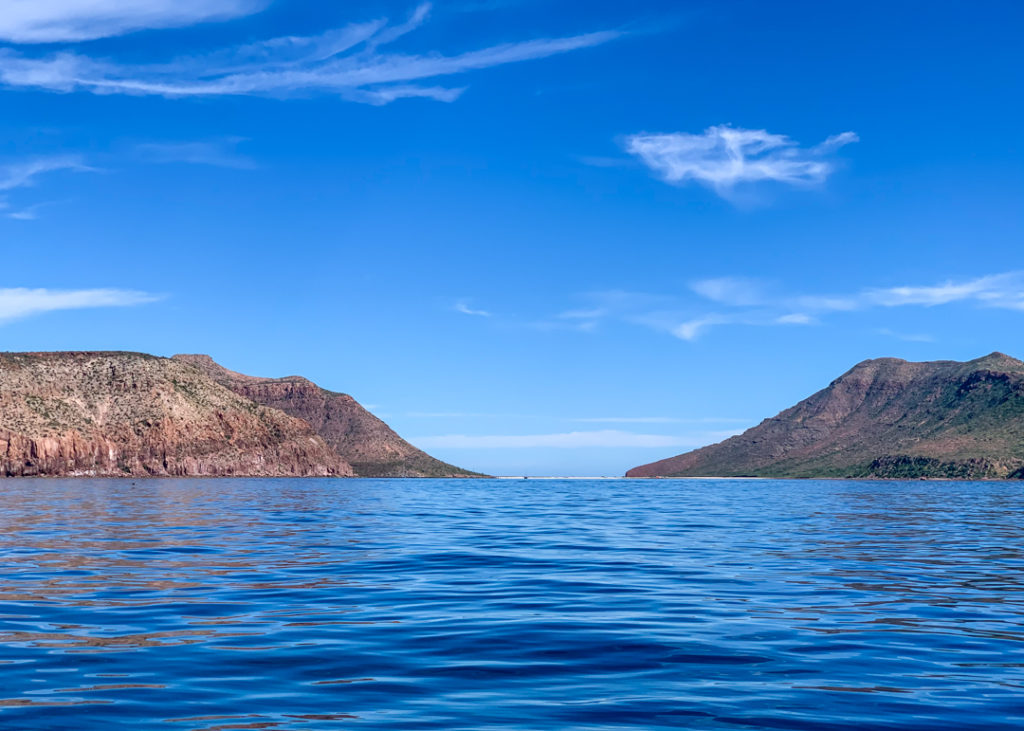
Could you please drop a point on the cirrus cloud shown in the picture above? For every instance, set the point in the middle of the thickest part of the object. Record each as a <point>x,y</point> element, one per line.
<point>348,62</point>
<point>217,153</point>
<point>19,302</point>
<point>722,157</point>
<point>605,438</point>
<point>463,307</point>
<point>752,307</point>
<point>48,21</point>
<point>732,301</point>
<point>25,174</point>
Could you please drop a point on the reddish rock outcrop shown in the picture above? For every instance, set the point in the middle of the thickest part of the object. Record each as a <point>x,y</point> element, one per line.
<point>130,414</point>
<point>359,437</point>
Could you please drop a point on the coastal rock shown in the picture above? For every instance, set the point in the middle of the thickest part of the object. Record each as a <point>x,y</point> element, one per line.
<point>131,414</point>
<point>359,437</point>
<point>885,418</point>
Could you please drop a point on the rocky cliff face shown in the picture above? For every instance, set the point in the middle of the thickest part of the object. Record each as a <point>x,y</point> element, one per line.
<point>128,414</point>
<point>359,437</point>
<point>883,418</point>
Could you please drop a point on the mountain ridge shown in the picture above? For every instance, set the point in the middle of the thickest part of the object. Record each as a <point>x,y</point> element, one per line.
<point>884,417</point>
<point>106,413</point>
<point>122,413</point>
<point>360,438</point>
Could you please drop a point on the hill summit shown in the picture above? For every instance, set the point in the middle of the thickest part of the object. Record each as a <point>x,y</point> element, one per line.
<point>359,437</point>
<point>133,414</point>
<point>884,418</point>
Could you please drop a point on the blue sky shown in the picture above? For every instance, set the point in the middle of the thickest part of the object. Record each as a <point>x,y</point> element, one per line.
<point>535,237</point>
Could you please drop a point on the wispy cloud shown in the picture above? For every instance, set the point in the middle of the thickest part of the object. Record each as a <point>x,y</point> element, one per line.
<point>723,157</point>
<point>997,290</point>
<point>347,61</point>
<point>463,307</point>
<point>744,301</point>
<point>657,420</point>
<point>577,419</point>
<point>31,213</point>
<point>17,303</point>
<point>1004,291</point>
<point>908,337</point>
<point>451,415</point>
<point>690,329</point>
<point>218,153</point>
<point>590,313</point>
<point>26,173</point>
<point>795,318</point>
<point>731,290</point>
<point>606,438</point>
<point>48,21</point>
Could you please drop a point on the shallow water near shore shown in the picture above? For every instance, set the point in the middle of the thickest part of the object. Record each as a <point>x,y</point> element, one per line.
<point>475,604</point>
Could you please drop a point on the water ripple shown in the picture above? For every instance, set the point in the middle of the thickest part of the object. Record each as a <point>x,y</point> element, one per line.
<point>465,604</point>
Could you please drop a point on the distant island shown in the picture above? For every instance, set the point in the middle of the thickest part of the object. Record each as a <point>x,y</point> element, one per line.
<point>131,414</point>
<point>885,418</point>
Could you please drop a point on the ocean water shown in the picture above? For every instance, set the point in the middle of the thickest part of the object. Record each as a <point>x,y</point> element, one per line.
<point>531,604</point>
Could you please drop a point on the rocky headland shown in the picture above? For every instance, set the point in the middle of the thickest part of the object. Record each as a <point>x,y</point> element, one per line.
<point>360,438</point>
<point>885,418</point>
<point>132,414</point>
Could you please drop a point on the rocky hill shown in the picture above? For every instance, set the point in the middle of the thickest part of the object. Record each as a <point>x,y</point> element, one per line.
<point>128,414</point>
<point>885,418</point>
<point>359,437</point>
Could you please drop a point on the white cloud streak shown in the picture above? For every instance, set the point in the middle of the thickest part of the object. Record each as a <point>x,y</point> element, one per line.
<point>465,309</point>
<point>795,318</point>
<point>1003,291</point>
<point>24,173</point>
<point>27,214</point>
<point>628,420</point>
<point>908,337</point>
<point>48,21</point>
<point>18,303</point>
<point>722,157</point>
<point>347,62</point>
<point>218,153</point>
<point>657,420</point>
<point>690,329</point>
<point>606,438</point>
<point>730,290</point>
<point>757,303</point>
<point>453,415</point>
<point>998,290</point>
<point>577,419</point>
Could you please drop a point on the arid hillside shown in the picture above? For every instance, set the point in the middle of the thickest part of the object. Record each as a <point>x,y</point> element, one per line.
<point>360,438</point>
<point>131,414</point>
<point>885,418</point>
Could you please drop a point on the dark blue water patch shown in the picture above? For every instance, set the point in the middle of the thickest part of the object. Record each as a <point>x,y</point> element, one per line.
<point>474,604</point>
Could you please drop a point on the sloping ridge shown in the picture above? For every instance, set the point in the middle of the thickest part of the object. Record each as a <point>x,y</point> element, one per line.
<point>883,418</point>
<point>358,437</point>
<point>128,414</point>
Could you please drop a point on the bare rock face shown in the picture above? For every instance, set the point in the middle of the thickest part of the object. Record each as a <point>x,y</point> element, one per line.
<point>130,414</point>
<point>359,437</point>
<point>885,418</point>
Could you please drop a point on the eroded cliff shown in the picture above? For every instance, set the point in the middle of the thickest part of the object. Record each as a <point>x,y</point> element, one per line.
<point>131,414</point>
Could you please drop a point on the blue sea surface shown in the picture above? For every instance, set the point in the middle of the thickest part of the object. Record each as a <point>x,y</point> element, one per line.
<point>529,604</point>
